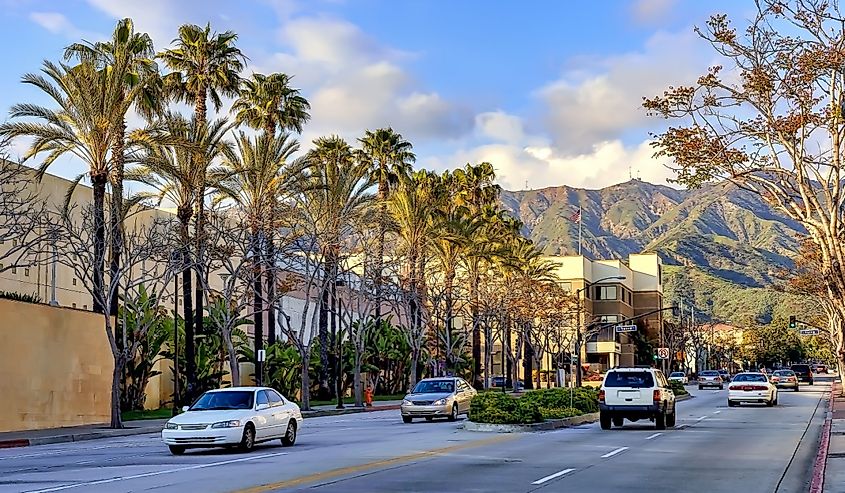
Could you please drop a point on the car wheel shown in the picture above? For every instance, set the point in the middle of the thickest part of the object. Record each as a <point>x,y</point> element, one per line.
<point>248,440</point>
<point>605,421</point>
<point>731,403</point>
<point>660,421</point>
<point>453,416</point>
<point>617,421</point>
<point>721,387</point>
<point>407,419</point>
<point>770,402</point>
<point>775,401</point>
<point>429,418</point>
<point>176,450</point>
<point>290,434</point>
<point>701,387</point>
<point>670,419</point>
<point>796,388</point>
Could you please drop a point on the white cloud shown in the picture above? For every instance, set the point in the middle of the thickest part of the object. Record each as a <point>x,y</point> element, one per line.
<point>601,99</point>
<point>57,23</point>
<point>652,12</point>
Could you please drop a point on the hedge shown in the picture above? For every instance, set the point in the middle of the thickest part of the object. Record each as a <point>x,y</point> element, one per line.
<point>533,407</point>
<point>677,387</point>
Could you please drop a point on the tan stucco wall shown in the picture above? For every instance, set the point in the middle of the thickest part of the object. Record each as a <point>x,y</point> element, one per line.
<point>55,367</point>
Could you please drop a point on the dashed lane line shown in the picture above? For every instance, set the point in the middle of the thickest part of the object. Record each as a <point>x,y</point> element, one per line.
<point>614,452</point>
<point>553,476</point>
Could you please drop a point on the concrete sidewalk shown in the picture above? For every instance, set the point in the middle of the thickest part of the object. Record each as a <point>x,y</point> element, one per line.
<point>834,435</point>
<point>144,426</point>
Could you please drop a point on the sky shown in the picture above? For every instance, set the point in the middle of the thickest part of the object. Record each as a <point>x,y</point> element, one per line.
<point>548,91</point>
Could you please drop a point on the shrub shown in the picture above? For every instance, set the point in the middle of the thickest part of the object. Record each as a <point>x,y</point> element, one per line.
<point>26,298</point>
<point>585,399</point>
<point>493,407</point>
<point>559,412</point>
<point>677,388</point>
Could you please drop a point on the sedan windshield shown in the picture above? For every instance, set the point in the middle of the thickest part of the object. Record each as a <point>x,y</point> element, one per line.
<point>218,401</point>
<point>676,374</point>
<point>785,373</point>
<point>434,387</point>
<point>750,378</point>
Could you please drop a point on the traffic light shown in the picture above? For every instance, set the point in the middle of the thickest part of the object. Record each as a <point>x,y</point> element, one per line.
<point>792,322</point>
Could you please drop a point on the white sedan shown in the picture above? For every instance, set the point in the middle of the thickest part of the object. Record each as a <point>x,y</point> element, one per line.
<point>242,416</point>
<point>678,376</point>
<point>752,387</point>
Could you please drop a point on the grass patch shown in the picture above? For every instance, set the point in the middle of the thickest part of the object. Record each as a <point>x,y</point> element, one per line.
<point>164,412</point>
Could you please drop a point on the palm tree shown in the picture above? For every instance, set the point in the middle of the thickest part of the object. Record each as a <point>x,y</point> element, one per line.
<point>205,65</point>
<point>130,55</point>
<point>268,103</point>
<point>336,196</point>
<point>260,174</point>
<point>477,192</point>
<point>390,157</point>
<point>170,167</point>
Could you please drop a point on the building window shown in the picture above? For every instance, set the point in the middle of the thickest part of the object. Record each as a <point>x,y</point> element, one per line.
<point>74,281</point>
<point>26,271</point>
<point>659,274</point>
<point>84,307</point>
<point>74,305</point>
<point>608,319</point>
<point>606,293</point>
<point>14,270</point>
<point>566,286</point>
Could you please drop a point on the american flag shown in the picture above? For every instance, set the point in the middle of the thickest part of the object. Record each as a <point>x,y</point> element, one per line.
<point>576,218</point>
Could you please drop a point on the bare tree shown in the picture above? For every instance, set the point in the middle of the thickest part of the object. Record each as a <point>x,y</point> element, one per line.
<point>20,211</point>
<point>150,259</point>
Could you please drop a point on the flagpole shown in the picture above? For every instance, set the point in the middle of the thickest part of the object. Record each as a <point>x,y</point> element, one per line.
<point>580,221</point>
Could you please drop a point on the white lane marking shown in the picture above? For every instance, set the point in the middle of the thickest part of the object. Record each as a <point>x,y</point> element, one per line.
<point>699,419</point>
<point>653,436</point>
<point>716,412</point>
<point>553,476</point>
<point>617,451</point>
<point>681,427</point>
<point>157,473</point>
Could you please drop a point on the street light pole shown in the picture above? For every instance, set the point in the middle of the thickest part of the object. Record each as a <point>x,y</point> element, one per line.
<point>578,337</point>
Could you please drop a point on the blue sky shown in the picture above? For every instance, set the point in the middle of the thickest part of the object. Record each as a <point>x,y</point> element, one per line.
<point>548,91</point>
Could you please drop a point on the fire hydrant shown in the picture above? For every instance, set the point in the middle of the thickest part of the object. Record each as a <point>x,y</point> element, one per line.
<point>368,397</point>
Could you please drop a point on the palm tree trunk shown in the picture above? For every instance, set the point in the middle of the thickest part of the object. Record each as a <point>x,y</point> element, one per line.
<point>184,215</point>
<point>270,273</point>
<point>382,231</point>
<point>200,111</point>
<point>528,361</point>
<point>116,217</point>
<point>305,379</point>
<point>257,305</point>
<point>476,333</point>
<point>450,281</point>
<point>98,183</point>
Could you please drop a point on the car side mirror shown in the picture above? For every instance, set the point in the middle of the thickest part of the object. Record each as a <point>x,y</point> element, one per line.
<point>185,408</point>
<point>262,407</point>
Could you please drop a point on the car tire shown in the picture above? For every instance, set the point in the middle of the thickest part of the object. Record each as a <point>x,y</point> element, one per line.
<point>701,387</point>
<point>731,403</point>
<point>618,421</point>
<point>775,402</point>
<point>407,419</point>
<point>176,449</point>
<point>605,421</point>
<point>660,421</point>
<point>721,387</point>
<point>796,388</point>
<point>670,419</point>
<point>290,434</point>
<point>453,416</point>
<point>429,418</point>
<point>248,440</point>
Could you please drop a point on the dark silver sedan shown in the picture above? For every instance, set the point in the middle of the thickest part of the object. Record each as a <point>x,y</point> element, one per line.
<point>445,397</point>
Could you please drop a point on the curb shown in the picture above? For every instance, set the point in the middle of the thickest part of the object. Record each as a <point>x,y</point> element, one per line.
<point>96,435</point>
<point>552,424</point>
<point>819,465</point>
<point>682,398</point>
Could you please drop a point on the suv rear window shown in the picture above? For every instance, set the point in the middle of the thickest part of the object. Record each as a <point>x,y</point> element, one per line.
<point>636,379</point>
<point>801,368</point>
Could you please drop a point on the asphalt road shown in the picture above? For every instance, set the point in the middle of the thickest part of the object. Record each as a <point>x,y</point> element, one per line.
<point>713,449</point>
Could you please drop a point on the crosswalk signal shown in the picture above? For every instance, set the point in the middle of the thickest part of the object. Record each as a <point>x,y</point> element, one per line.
<point>792,322</point>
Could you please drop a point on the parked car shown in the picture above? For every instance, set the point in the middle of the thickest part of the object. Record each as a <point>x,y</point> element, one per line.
<point>678,376</point>
<point>804,373</point>
<point>242,416</point>
<point>821,369</point>
<point>710,378</point>
<point>785,379</point>
<point>431,398</point>
<point>752,387</point>
<point>726,377</point>
<point>634,394</point>
<point>497,382</point>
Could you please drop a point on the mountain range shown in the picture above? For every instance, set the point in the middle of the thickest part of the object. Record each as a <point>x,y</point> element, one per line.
<point>719,229</point>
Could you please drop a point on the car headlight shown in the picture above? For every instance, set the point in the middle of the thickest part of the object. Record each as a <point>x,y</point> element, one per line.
<point>171,426</point>
<point>406,402</point>
<point>227,424</point>
<point>439,402</point>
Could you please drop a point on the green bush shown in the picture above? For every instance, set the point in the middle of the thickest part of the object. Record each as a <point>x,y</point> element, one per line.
<point>585,399</point>
<point>559,412</point>
<point>677,388</point>
<point>493,407</point>
<point>26,298</point>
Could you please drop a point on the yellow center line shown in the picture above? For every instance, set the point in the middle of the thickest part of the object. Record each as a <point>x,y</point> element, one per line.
<point>344,471</point>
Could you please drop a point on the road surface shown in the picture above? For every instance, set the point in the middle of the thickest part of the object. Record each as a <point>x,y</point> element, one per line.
<point>713,449</point>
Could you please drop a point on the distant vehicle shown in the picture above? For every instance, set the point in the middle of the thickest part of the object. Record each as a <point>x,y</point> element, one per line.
<point>726,377</point>
<point>710,378</point>
<point>785,379</point>
<point>431,398</point>
<point>635,394</point>
<point>804,373</point>
<point>242,416</point>
<point>821,369</point>
<point>678,376</point>
<point>497,382</point>
<point>752,387</point>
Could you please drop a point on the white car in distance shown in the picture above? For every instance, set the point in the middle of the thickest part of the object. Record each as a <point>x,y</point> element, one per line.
<point>752,387</point>
<point>237,416</point>
<point>678,376</point>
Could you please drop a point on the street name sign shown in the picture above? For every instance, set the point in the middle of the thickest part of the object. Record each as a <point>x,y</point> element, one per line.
<point>626,328</point>
<point>809,332</point>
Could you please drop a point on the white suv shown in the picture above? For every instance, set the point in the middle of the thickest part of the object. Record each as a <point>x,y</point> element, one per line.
<point>636,393</point>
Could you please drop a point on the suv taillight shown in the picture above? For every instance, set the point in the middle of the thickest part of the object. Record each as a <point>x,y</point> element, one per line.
<point>656,396</point>
<point>601,395</point>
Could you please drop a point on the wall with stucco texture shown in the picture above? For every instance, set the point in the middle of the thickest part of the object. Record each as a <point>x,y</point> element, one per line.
<point>55,367</point>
